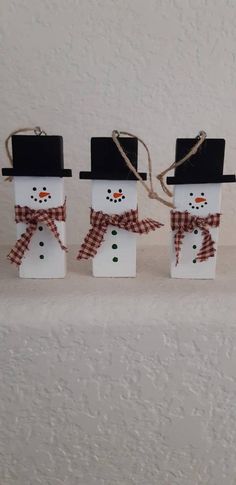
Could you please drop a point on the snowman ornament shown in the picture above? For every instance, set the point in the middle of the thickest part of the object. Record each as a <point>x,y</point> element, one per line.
<point>40,211</point>
<point>197,199</point>
<point>111,241</point>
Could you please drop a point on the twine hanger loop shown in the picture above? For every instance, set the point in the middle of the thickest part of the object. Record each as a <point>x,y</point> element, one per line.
<point>148,187</point>
<point>200,139</point>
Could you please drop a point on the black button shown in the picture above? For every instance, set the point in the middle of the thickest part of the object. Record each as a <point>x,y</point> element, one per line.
<point>114,246</point>
<point>194,246</point>
<point>41,256</point>
<point>115,260</point>
<point>194,260</point>
<point>196,231</point>
<point>114,233</point>
<point>41,243</point>
<point>40,228</point>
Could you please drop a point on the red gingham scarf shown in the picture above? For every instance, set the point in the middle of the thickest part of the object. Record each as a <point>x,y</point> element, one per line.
<point>184,222</point>
<point>100,222</point>
<point>32,217</point>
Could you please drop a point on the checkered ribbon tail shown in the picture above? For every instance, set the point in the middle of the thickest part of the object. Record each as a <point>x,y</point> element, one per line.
<point>183,222</point>
<point>32,217</point>
<point>100,222</point>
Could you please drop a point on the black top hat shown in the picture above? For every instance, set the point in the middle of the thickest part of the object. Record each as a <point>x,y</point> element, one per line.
<point>108,164</point>
<point>206,166</point>
<point>40,156</point>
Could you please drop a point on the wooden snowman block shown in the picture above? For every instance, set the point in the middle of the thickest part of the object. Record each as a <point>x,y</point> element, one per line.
<point>114,193</point>
<point>117,255</point>
<point>196,217</point>
<point>39,193</point>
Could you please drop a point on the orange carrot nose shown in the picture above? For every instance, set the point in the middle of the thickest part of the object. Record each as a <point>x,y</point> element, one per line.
<point>43,194</point>
<point>200,199</point>
<point>117,194</point>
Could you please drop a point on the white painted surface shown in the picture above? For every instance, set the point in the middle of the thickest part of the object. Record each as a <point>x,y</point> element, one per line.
<point>116,257</point>
<point>187,198</point>
<point>162,68</point>
<point>129,383</point>
<point>45,258</point>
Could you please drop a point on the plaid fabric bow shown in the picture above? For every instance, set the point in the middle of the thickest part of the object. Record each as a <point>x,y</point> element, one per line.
<point>100,222</point>
<point>182,222</point>
<point>31,217</point>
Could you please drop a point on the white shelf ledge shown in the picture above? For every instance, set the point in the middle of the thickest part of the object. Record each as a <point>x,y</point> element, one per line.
<point>150,297</point>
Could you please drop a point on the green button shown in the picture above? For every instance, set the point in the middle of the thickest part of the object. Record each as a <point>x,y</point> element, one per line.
<point>194,246</point>
<point>114,246</point>
<point>115,260</point>
<point>114,233</point>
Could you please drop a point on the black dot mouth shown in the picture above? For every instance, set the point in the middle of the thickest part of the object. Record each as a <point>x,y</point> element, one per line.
<point>42,200</point>
<point>115,200</point>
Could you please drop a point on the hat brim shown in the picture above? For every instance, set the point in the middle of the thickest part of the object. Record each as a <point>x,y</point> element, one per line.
<point>66,172</point>
<point>111,176</point>
<point>201,180</point>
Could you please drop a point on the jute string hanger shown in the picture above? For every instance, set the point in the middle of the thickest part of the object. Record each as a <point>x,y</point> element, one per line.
<point>149,187</point>
<point>36,130</point>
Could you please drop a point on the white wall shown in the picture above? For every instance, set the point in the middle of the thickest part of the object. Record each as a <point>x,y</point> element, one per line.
<point>160,68</point>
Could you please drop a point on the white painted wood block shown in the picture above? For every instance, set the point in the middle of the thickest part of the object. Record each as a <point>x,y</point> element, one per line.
<point>117,255</point>
<point>45,258</point>
<point>184,199</point>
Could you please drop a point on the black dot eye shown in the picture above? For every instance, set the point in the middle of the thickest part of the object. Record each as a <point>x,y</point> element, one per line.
<point>120,190</point>
<point>44,188</point>
<point>202,193</point>
<point>191,194</point>
<point>109,191</point>
<point>34,188</point>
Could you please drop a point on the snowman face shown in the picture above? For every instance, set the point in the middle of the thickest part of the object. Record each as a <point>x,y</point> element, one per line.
<point>114,196</point>
<point>198,199</point>
<point>39,192</point>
